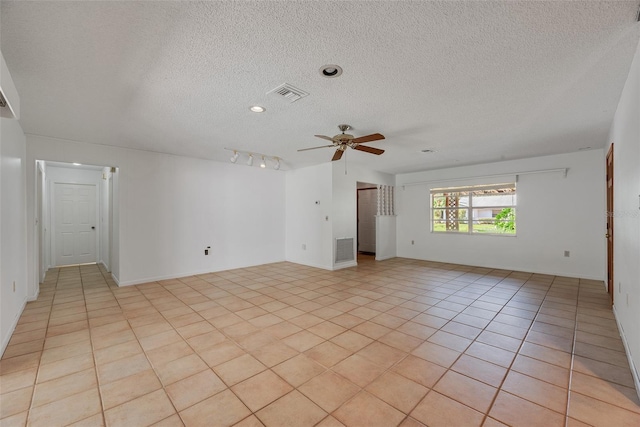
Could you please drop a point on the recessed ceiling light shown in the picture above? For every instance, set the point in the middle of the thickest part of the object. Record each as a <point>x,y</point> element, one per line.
<point>329,71</point>
<point>77,164</point>
<point>257,109</point>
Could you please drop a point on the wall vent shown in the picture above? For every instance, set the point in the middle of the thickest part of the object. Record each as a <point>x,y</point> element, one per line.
<point>288,92</point>
<point>344,250</point>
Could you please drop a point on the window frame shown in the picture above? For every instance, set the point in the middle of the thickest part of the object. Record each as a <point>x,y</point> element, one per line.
<point>468,220</point>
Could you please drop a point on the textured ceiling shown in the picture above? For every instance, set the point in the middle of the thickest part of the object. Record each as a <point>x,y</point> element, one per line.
<point>475,81</point>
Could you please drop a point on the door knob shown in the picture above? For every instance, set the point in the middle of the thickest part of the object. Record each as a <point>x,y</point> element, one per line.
<point>93,228</point>
<point>606,235</point>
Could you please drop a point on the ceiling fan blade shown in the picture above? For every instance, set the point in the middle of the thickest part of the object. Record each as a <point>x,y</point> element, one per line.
<point>314,148</point>
<point>368,138</point>
<point>324,137</point>
<point>337,155</point>
<point>371,150</point>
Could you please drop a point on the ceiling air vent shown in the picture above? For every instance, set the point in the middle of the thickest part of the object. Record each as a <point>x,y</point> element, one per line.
<point>288,92</point>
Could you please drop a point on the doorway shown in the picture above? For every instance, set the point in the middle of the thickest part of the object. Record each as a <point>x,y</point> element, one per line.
<point>610,216</point>
<point>77,214</point>
<point>367,196</point>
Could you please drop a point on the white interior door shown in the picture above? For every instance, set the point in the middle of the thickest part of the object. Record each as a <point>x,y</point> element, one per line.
<point>75,223</point>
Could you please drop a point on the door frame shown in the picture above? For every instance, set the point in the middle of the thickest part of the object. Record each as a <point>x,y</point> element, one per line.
<point>609,224</point>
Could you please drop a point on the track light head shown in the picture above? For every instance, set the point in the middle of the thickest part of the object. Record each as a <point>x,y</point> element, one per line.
<point>263,164</point>
<point>250,161</point>
<point>277,165</point>
<point>234,158</point>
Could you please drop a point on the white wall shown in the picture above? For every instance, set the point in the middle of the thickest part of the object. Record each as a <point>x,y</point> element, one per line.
<point>554,214</point>
<point>170,208</point>
<point>625,135</point>
<point>13,233</point>
<point>309,216</point>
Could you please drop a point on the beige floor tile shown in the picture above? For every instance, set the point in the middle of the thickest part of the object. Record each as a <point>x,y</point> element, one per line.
<point>436,410</point>
<point>239,369</point>
<point>352,341</point>
<point>63,387</point>
<point>480,370</point>
<point>436,353</point>
<point>18,380</point>
<point>298,370</point>
<point>540,392</point>
<point>491,354</point>
<point>194,389</point>
<point>222,409</point>
<point>165,354</point>
<point>600,414</point>
<point>220,353</point>
<point>615,394</point>
<point>330,422</point>
<point>122,368</point>
<point>398,391</point>
<point>144,410</point>
<point>328,353</point>
<point>263,316</point>
<point>291,410</point>
<point>382,354</point>
<point>358,370</point>
<point>516,412</point>
<point>466,390</point>
<point>329,390</point>
<point>420,370</point>
<point>66,411</point>
<point>17,420</point>
<point>261,389</point>
<point>64,367</point>
<point>129,388</point>
<point>274,353</point>
<point>14,402</point>
<point>543,371</point>
<point>366,409</point>
<point>178,369</point>
<point>250,421</point>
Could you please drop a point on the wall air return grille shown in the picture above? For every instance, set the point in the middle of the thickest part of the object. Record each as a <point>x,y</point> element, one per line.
<point>288,92</point>
<point>344,250</point>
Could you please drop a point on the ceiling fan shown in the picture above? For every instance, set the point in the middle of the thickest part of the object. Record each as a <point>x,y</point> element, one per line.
<point>344,140</point>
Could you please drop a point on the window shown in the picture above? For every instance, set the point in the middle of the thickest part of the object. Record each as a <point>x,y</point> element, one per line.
<point>481,209</point>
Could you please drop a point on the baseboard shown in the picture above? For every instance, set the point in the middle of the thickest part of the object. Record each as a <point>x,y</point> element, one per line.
<point>35,297</point>
<point>106,267</point>
<point>382,258</point>
<point>345,265</point>
<point>632,366</point>
<point>509,268</point>
<point>14,323</point>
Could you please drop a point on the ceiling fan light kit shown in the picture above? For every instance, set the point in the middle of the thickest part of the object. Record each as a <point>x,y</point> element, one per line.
<point>343,140</point>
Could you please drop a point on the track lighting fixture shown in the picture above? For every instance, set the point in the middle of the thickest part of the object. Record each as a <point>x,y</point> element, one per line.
<point>264,158</point>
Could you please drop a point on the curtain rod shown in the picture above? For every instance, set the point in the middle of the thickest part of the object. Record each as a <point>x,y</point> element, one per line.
<point>563,170</point>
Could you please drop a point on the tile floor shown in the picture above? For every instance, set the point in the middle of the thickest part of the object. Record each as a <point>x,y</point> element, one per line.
<point>397,342</point>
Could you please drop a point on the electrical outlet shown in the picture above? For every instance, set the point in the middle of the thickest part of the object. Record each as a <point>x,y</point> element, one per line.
<point>14,286</point>
<point>619,287</point>
<point>567,254</point>
<point>206,250</point>
<point>304,247</point>
<point>412,242</point>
